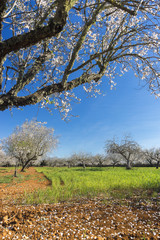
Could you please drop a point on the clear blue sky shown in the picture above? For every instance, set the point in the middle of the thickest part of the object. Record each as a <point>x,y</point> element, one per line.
<point>127,110</point>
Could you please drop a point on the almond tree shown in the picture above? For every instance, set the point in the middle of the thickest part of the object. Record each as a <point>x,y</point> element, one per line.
<point>5,161</point>
<point>114,159</point>
<point>153,155</point>
<point>2,156</point>
<point>29,142</point>
<point>48,48</point>
<point>127,149</point>
<point>81,158</point>
<point>70,161</point>
<point>99,159</point>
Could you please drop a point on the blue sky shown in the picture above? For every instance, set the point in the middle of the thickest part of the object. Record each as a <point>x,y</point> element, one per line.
<point>129,109</point>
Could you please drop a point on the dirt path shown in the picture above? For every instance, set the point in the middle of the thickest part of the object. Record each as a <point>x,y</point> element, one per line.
<point>28,181</point>
<point>84,219</point>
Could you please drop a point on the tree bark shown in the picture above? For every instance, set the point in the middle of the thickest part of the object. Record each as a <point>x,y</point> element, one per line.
<point>9,100</point>
<point>157,165</point>
<point>128,166</point>
<point>15,171</point>
<point>2,9</point>
<point>55,26</point>
<point>25,165</point>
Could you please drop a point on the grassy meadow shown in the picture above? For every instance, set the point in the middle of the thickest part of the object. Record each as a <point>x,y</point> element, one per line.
<point>5,178</point>
<point>75,183</point>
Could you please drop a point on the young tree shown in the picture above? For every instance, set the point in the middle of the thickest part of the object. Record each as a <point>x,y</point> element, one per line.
<point>70,161</point>
<point>29,142</point>
<point>48,48</point>
<point>153,155</point>
<point>127,149</point>
<point>114,159</point>
<point>147,158</point>
<point>81,158</point>
<point>99,159</point>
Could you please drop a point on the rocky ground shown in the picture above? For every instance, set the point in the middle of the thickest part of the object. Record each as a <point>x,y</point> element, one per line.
<point>82,219</point>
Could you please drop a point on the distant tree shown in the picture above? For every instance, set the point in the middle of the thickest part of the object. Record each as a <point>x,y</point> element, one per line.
<point>81,158</point>
<point>153,156</point>
<point>146,157</point>
<point>49,48</point>
<point>85,159</point>
<point>62,162</point>
<point>93,161</point>
<point>43,163</point>
<point>150,161</point>
<point>114,159</point>
<point>54,162</point>
<point>127,149</point>
<point>29,142</point>
<point>70,161</point>
<point>2,156</point>
<point>99,159</point>
<point>5,161</point>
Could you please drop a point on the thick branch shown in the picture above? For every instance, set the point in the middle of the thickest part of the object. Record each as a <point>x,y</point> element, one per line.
<point>121,6</point>
<point>55,26</point>
<point>80,41</point>
<point>8,100</point>
<point>31,38</point>
<point>2,9</point>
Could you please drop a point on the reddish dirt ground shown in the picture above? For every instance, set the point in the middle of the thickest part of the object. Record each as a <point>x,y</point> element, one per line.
<point>30,181</point>
<point>83,219</point>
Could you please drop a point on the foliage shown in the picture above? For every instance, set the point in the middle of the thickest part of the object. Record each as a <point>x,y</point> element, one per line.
<point>29,142</point>
<point>71,183</point>
<point>48,48</point>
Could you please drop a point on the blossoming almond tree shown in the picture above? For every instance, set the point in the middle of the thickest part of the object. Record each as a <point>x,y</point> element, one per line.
<point>29,142</point>
<point>48,48</point>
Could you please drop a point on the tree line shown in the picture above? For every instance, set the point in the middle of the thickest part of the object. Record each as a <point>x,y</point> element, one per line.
<point>30,143</point>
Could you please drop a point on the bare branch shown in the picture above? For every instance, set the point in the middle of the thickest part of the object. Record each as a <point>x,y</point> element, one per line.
<point>121,6</point>
<point>80,41</point>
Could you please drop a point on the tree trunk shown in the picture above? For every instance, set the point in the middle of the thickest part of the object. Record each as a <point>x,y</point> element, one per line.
<point>128,166</point>
<point>25,164</point>
<point>23,167</point>
<point>15,171</point>
<point>157,165</point>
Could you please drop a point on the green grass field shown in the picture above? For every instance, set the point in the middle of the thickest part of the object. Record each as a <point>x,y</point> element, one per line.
<point>9,178</point>
<point>74,183</point>
<point>3,178</point>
